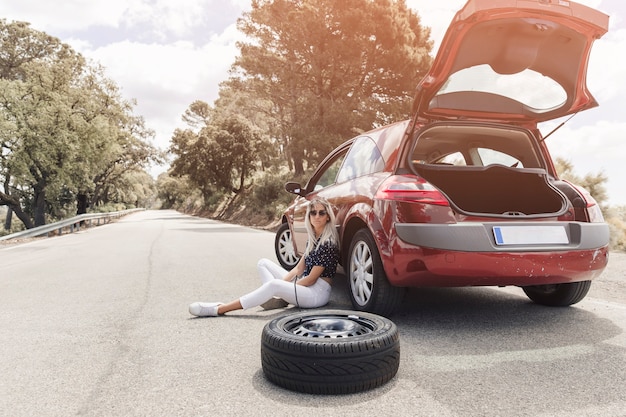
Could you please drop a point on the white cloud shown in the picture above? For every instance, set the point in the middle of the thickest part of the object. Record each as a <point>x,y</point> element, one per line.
<point>606,74</point>
<point>595,148</point>
<point>436,14</point>
<point>166,54</point>
<point>162,17</point>
<point>167,17</point>
<point>166,78</point>
<point>66,15</point>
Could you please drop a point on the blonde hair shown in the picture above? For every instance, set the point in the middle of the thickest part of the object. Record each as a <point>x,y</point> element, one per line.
<point>329,234</point>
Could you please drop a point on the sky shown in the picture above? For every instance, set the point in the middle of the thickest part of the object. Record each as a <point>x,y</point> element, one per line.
<point>165,54</point>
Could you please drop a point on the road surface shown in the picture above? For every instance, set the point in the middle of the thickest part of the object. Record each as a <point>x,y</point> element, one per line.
<point>96,324</point>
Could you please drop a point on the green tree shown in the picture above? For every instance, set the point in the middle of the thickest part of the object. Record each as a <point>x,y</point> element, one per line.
<point>66,134</point>
<point>21,50</point>
<point>329,69</point>
<point>237,101</point>
<point>40,108</point>
<point>221,155</point>
<point>172,191</point>
<point>191,159</point>
<point>594,183</point>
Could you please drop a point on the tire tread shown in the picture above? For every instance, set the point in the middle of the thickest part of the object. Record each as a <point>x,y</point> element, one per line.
<point>330,366</point>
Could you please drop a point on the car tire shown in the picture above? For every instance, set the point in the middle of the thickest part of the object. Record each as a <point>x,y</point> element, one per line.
<point>558,295</point>
<point>330,351</point>
<point>369,288</point>
<point>283,245</point>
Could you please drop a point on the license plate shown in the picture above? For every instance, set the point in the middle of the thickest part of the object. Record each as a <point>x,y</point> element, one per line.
<point>530,235</point>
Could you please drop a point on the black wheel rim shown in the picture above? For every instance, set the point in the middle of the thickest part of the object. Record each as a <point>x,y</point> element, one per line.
<point>329,327</point>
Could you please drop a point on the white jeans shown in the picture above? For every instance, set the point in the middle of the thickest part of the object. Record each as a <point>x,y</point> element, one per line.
<point>272,276</point>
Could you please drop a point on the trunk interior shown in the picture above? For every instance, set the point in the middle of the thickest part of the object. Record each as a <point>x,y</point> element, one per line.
<point>495,189</point>
<point>487,169</point>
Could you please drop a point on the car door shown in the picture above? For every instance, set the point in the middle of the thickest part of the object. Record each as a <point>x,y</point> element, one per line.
<point>321,184</point>
<point>344,179</point>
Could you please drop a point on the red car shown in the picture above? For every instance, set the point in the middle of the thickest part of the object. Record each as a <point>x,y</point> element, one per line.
<point>465,193</point>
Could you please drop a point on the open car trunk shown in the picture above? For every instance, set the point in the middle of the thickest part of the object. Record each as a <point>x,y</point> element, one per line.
<point>495,190</point>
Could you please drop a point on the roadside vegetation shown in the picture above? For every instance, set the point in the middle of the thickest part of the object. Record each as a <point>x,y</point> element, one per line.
<point>295,92</point>
<point>69,143</point>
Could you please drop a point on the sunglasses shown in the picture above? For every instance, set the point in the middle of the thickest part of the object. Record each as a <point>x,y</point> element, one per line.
<point>316,212</point>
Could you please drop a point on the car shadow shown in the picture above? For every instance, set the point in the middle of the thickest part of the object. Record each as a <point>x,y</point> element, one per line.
<point>453,338</point>
<point>498,319</point>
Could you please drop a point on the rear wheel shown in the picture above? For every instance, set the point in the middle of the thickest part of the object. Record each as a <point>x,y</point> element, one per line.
<point>369,288</point>
<point>558,295</point>
<point>283,245</point>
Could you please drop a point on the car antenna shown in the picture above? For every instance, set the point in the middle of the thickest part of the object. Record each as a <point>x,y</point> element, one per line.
<point>558,127</point>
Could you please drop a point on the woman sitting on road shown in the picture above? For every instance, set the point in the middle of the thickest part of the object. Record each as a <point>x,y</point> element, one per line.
<point>307,285</point>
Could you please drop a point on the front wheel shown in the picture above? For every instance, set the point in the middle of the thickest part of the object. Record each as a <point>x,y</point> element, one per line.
<point>558,295</point>
<point>369,288</point>
<point>283,245</point>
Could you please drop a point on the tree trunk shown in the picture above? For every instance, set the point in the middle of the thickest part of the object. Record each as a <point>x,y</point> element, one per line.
<point>28,223</point>
<point>7,220</point>
<point>14,205</point>
<point>82,204</point>
<point>40,206</point>
<point>298,162</point>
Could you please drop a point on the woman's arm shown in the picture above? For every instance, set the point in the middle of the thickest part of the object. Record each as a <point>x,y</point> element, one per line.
<point>310,279</point>
<point>295,271</point>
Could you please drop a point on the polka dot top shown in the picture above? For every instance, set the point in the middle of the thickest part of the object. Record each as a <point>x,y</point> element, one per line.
<point>326,255</point>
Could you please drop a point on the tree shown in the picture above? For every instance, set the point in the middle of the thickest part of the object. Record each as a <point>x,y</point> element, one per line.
<point>172,191</point>
<point>66,134</point>
<point>20,45</point>
<point>40,109</point>
<point>345,67</point>
<point>236,147</point>
<point>221,156</point>
<point>594,183</point>
<point>22,52</point>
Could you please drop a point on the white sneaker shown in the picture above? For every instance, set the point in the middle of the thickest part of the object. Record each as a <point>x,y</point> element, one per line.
<point>204,309</point>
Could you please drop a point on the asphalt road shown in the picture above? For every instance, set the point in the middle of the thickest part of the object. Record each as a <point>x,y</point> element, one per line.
<point>96,324</point>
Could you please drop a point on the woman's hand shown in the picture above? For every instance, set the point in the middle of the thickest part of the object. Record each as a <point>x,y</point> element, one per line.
<point>295,271</point>
<point>312,278</point>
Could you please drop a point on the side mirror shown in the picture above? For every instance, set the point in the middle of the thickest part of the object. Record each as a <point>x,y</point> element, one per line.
<point>295,188</point>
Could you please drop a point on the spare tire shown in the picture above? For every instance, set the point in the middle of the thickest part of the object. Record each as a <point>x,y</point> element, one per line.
<point>330,351</point>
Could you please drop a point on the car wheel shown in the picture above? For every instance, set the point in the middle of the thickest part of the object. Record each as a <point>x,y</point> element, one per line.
<point>558,295</point>
<point>283,245</point>
<point>330,351</point>
<point>369,288</point>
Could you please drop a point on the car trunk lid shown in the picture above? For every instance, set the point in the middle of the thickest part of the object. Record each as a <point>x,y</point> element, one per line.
<point>514,61</point>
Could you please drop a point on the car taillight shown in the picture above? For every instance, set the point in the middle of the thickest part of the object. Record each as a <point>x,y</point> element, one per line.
<point>410,188</point>
<point>593,209</point>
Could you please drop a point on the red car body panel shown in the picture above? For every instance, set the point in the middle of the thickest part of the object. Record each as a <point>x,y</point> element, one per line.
<point>551,37</point>
<point>410,266</point>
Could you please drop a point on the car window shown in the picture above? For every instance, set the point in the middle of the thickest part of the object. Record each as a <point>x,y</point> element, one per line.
<point>476,146</point>
<point>330,173</point>
<point>362,159</point>
<point>492,156</point>
<point>455,158</point>
<point>546,94</point>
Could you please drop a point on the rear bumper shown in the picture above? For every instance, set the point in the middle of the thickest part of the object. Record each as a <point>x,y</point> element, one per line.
<point>483,236</point>
<point>435,268</point>
<point>469,256</point>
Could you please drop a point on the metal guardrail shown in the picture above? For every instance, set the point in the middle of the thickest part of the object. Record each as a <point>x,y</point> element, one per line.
<point>72,224</point>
